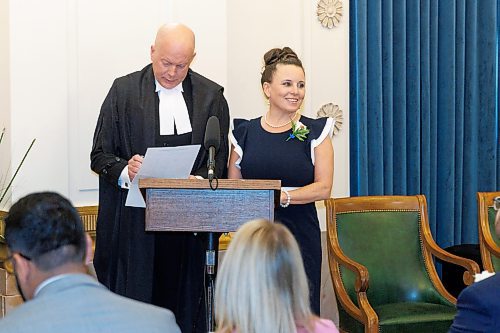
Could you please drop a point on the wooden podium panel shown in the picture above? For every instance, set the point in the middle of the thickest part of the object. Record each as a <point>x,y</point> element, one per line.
<point>191,205</point>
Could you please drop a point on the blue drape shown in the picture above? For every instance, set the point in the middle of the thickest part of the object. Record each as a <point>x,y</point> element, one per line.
<point>424,106</point>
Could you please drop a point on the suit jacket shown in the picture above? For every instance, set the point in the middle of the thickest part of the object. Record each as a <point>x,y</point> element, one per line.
<point>479,307</point>
<point>77,303</point>
<point>125,254</point>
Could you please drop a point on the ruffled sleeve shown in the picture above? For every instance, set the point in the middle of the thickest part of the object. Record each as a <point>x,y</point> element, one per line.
<point>320,129</point>
<point>237,137</point>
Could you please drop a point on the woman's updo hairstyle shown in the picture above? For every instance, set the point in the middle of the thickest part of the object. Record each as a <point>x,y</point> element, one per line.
<point>273,57</point>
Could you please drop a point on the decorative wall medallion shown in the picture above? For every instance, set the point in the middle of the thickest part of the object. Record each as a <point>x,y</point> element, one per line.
<point>332,111</point>
<point>329,12</point>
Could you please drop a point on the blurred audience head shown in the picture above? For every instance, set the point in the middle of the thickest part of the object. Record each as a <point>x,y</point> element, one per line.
<point>45,237</point>
<point>262,285</point>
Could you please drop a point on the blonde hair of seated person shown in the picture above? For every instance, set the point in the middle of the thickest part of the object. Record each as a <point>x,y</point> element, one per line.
<point>262,286</point>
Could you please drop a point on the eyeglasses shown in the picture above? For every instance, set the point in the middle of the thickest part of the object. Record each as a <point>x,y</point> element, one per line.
<point>8,264</point>
<point>496,203</point>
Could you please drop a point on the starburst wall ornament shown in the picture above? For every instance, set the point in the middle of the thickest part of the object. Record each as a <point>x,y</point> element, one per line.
<point>332,111</point>
<point>329,13</point>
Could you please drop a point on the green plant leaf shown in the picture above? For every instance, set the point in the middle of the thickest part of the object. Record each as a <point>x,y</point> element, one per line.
<point>4,191</point>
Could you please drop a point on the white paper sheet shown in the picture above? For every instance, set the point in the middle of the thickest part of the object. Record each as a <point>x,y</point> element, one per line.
<point>164,162</point>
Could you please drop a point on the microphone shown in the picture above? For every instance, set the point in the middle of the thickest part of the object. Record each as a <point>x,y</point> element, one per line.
<point>212,143</point>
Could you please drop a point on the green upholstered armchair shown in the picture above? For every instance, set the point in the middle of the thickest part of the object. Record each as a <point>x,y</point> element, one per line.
<point>489,243</point>
<point>380,252</point>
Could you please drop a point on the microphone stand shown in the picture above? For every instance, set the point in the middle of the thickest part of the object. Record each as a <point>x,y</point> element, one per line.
<point>210,281</point>
<point>211,142</point>
<point>211,253</point>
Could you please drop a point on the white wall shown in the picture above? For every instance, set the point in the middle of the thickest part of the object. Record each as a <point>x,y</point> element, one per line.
<point>5,151</point>
<point>208,19</point>
<point>64,55</point>
<point>38,94</point>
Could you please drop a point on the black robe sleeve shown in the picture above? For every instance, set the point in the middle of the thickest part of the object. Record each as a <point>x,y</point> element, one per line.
<point>104,160</point>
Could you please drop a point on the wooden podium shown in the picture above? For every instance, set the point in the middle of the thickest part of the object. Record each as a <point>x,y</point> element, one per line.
<point>192,205</point>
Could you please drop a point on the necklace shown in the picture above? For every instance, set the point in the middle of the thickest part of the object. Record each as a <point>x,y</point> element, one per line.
<point>280,125</point>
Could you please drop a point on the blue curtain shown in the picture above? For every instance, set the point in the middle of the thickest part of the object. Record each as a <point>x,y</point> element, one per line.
<point>424,106</point>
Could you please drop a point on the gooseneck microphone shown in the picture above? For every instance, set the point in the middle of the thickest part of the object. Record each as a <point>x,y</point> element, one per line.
<point>212,143</point>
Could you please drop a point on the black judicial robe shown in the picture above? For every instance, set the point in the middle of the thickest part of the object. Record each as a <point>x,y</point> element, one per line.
<point>125,254</point>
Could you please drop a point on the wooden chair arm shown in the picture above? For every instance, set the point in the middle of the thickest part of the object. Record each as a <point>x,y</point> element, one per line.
<point>488,249</point>
<point>361,272</point>
<point>370,317</point>
<point>430,245</point>
<point>471,266</point>
<point>490,244</point>
<point>493,248</point>
<point>364,312</point>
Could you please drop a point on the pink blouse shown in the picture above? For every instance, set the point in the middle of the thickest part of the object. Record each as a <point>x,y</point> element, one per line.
<point>321,326</point>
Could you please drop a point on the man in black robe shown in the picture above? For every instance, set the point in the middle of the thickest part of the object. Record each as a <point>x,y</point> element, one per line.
<point>164,104</point>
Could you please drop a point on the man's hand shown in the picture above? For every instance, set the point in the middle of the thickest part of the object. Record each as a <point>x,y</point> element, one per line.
<point>134,164</point>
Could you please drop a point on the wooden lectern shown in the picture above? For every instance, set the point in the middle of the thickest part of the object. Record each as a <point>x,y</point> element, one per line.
<point>192,205</point>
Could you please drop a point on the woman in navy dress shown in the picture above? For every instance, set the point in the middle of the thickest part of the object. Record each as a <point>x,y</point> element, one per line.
<point>284,145</point>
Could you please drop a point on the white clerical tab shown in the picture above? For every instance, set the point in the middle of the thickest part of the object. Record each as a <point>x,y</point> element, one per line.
<point>173,110</point>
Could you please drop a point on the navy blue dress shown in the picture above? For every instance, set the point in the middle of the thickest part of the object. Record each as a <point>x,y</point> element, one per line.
<point>265,155</point>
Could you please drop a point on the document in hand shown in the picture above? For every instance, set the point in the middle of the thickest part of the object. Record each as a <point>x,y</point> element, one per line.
<point>163,162</point>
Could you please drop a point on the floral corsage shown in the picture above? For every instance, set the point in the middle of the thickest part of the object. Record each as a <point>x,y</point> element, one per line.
<point>299,131</point>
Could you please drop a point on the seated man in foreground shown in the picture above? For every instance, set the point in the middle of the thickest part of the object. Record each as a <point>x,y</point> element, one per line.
<point>49,250</point>
<point>479,304</point>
